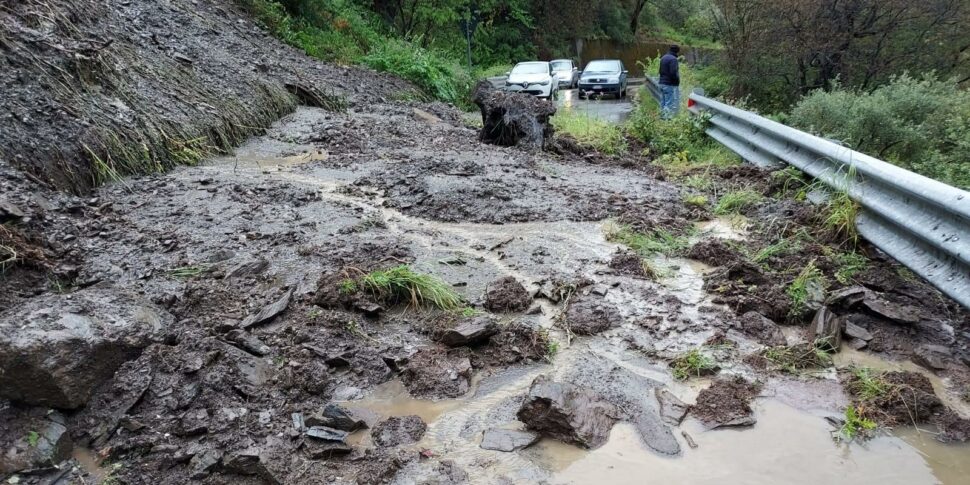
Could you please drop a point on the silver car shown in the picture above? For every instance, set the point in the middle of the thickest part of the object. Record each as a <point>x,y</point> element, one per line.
<point>566,72</point>
<point>533,78</point>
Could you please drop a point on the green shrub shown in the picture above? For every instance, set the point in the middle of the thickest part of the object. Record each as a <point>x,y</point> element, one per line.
<point>922,125</point>
<point>593,132</point>
<point>441,78</point>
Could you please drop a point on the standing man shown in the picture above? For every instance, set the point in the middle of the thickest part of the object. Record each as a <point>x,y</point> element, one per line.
<point>669,83</point>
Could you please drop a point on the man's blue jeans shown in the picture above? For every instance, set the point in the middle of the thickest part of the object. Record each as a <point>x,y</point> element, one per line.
<point>669,101</point>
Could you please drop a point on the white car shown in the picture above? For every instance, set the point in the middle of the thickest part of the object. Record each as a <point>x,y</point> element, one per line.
<point>533,78</point>
<point>566,72</point>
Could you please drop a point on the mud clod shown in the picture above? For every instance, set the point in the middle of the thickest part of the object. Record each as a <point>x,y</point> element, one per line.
<point>591,314</point>
<point>436,374</point>
<point>399,430</point>
<point>507,295</point>
<point>508,439</point>
<point>567,413</point>
<point>727,402</point>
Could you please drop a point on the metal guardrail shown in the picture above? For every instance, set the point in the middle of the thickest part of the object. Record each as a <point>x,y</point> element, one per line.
<point>922,223</point>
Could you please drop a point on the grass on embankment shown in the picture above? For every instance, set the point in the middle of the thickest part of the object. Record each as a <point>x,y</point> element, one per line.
<point>592,132</point>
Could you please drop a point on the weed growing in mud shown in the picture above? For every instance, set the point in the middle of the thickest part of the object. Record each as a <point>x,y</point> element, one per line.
<point>600,135</point>
<point>869,384</point>
<point>468,312</point>
<point>797,358</point>
<point>315,313</point>
<point>701,182</point>
<point>737,201</point>
<point>809,282</point>
<point>776,248</point>
<point>849,264</point>
<point>186,272</point>
<point>402,284</point>
<point>840,215</point>
<point>347,287</point>
<point>33,438</point>
<point>354,328</point>
<point>693,363</point>
<point>855,425</point>
<point>659,241</point>
<point>696,200</point>
<point>552,348</point>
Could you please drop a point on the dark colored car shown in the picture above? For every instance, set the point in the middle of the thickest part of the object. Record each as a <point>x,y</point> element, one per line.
<point>603,76</point>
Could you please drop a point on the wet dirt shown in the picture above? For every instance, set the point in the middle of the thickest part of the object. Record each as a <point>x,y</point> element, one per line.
<point>327,193</point>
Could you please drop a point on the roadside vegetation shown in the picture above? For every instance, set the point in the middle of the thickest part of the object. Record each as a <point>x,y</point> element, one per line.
<point>693,363</point>
<point>591,132</point>
<point>402,284</point>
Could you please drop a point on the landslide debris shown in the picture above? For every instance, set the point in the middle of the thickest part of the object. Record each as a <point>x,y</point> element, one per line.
<point>513,119</point>
<point>567,413</point>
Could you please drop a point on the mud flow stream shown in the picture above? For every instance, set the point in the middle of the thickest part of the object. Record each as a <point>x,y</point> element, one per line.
<point>791,441</point>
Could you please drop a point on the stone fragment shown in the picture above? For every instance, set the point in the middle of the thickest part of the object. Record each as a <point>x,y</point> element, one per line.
<point>268,312</point>
<point>470,332</point>
<point>508,439</point>
<point>826,330</point>
<point>567,413</point>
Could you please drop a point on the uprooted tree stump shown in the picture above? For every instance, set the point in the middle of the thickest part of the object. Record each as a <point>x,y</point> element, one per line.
<point>511,119</point>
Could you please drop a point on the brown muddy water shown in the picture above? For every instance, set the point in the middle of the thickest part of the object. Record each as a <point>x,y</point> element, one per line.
<point>790,443</point>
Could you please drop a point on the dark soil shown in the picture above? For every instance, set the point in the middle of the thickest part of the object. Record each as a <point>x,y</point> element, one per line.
<point>629,264</point>
<point>908,398</point>
<point>715,252</point>
<point>399,430</point>
<point>727,402</point>
<point>507,295</point>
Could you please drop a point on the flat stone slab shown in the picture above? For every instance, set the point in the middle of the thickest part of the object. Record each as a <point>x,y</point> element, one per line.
<point>508,439</point>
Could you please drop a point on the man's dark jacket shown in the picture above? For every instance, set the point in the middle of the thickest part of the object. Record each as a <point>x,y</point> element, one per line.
<point>669,70</point>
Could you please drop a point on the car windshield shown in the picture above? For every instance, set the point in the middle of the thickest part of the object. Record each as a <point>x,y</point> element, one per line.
<point>603,66</point>
<point>531,68</point>
<point>561,65</point>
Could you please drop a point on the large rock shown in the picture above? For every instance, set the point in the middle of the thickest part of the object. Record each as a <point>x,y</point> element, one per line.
<point>55,349</point>
<point>338,417</point>
<point>510,119</point>
<point>763,329</point>
<point>567,413</point>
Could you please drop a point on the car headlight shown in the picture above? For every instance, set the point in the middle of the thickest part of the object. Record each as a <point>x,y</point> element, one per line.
<point>543,83</point>
<point>613,80</point>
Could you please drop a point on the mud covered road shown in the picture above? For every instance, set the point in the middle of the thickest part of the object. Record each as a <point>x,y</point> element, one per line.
<point>223,281</point>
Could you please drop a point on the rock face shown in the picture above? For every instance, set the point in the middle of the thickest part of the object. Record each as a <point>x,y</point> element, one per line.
<point>510,119</point>
<point>470,332</point>
<point>507,295</point>
<point>399,430</point>
<point>56,349</point>
<point>508,439</point>
<point>567,413</point>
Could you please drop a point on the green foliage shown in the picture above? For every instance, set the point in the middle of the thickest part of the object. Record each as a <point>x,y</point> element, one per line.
<point>737,201</point>
<point>347,287</point>
<point>855,425</point>
<point>647,244</point>
<point>808,281</point>
<point>33,438</point>
<point>402,284</point>
<point>772,250</point>
<point>848,264</point>
<point>593,132</point>
<point>869,384</point>
<point>552,349</point>
<point>693,363</point>
<point>922,125</point>
<point>696,200</point>
<point>839,217</point>
<point>439,77</point>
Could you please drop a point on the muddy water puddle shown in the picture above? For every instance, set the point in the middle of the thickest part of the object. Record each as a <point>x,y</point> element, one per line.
<point>787,445</point>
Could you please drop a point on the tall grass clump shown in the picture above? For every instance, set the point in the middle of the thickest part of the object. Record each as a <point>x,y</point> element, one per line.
<point>402,284</point>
